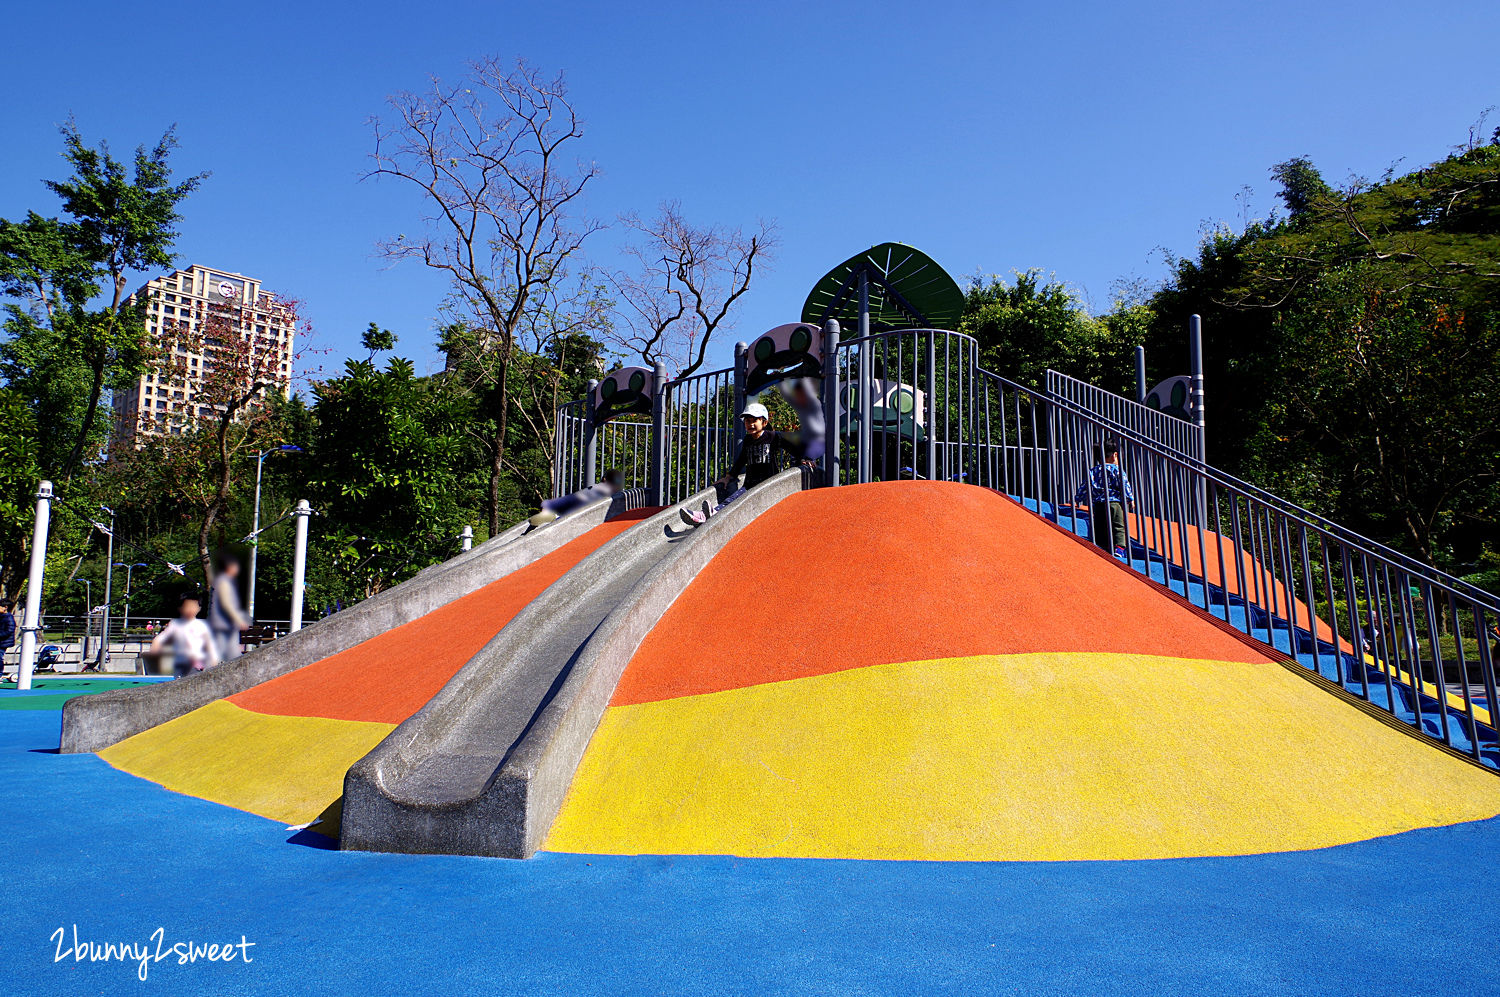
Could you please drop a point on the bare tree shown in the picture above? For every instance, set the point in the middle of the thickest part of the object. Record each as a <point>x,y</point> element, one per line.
<point>683,286</point>
<point>490,155</point>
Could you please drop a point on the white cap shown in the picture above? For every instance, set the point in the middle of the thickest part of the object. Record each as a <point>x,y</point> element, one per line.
<point>756,409</point>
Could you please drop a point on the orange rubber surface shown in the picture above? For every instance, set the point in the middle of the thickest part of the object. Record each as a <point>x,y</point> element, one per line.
<point>881,586</point>
<point>389,677</point>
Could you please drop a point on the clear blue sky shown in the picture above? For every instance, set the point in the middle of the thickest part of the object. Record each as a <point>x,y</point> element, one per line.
<point>1075,137</point>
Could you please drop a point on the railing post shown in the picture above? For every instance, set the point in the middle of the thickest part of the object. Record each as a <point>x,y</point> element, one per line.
<point>741,375</point>
<point>31,622</point>
<point>590,441</point>
<point>931,414</point>
<point>1195,371</point>
<point>299,562</point>
<point>466,538</point>
<point>1140,374</point>
<point>833,437</point>
<point>658,459</point>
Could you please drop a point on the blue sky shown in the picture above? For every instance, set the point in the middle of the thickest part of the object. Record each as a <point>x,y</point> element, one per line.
<point>1079,137</point>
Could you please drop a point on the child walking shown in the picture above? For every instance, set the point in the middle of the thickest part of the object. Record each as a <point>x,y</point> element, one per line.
<point>1108,491</point>
<point>191,641</point>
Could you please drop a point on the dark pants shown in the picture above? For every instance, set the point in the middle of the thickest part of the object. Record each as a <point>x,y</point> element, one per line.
<point>1107,521</point>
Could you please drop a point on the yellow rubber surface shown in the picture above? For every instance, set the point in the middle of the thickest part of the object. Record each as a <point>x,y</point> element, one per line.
<point>1010,757</point>
<point>286,768</point>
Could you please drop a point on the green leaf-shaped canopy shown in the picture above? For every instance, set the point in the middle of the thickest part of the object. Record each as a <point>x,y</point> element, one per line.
<point>908,290</point>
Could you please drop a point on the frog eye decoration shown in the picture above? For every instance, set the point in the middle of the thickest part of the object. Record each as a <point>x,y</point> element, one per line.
<point>902,400</point>
<point>625,390</point>
<point>785,352</point>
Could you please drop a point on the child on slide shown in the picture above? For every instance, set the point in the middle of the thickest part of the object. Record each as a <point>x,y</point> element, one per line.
<point>758,459</point>
<point>564,504</point>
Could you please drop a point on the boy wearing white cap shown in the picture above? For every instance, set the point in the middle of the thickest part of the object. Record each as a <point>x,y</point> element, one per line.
<point>758,460</point>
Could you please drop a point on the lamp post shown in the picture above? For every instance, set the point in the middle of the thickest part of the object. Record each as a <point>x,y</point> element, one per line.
<point>88,621</point>
<point>102,661</point>
<point>260,459</point>
<point>129,570</point>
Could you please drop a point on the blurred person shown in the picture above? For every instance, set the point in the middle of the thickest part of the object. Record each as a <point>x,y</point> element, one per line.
<point>226,617</point>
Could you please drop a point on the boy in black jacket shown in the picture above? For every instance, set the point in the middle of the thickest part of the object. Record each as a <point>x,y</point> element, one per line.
<point>758,459</point>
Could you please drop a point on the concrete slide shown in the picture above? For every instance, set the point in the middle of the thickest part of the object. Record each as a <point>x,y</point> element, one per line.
<point>106,719</point>
<point>483,767</point>
<point>274,732</point>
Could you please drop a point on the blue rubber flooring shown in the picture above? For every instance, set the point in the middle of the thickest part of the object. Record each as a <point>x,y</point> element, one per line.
<point>119,858</point>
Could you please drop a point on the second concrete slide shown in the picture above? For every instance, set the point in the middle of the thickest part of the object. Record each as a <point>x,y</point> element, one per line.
<point>483,767</point>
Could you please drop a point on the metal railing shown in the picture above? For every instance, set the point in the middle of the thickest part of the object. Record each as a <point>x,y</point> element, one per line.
<point>1399,634</point>
<point>700,432</point>
<point>1153,424</point>
<point>585,452</point>
<point>1403,636</point>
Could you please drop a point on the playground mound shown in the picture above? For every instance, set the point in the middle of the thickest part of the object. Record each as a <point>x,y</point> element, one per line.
<point>925,670</point>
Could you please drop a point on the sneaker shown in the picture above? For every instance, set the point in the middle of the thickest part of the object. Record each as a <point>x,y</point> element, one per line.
<point>1122,554</point>
<point>691,517</point>
<point>708,510</point>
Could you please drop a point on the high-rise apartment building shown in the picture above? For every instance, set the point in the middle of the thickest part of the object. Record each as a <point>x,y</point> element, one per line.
<point>191,316</point>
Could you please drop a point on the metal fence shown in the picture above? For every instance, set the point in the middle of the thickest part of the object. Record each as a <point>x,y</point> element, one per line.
<point>1153,424</point>
<point>584,453</point>
<point>700,432</point>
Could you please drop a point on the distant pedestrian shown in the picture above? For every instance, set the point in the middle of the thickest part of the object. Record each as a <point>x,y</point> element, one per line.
<point>191,642</point>
<point>7,631</point>
<point>1108,492</point>
<point>225,616</point>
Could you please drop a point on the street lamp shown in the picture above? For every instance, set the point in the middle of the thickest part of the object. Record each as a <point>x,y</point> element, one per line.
<point>102,661</point>
<point>129,569</point>
<point>260,459</point>
<point>88,621</point>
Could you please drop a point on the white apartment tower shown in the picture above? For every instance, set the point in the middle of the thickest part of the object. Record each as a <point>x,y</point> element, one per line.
<point>179,309</point>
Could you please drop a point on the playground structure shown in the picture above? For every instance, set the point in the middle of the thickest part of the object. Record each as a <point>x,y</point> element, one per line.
<point>564,659</point>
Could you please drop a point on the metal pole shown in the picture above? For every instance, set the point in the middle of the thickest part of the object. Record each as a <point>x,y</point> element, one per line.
<point>658,462</point>
<point>931,414</point>
<point>1140,374</point>
<point>1195,371</point>
<point>741,375</point>
<point>866,375</point>
<point>590,441</point>
<point>833,438</point>
<point>299,562</point>
<point>31,622</point>
<point>102,661</point>
<point>468,538</point>
<point>260,460</point>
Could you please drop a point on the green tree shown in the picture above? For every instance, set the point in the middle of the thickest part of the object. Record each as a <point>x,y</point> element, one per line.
<point>1032,324</point>
<point>385,447</point>
<point>61,353</point>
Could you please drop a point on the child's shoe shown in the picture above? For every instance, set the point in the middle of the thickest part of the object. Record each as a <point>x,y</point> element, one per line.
<point>691,517</point>
<point>1122,554</point>
<point>708,510</point>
